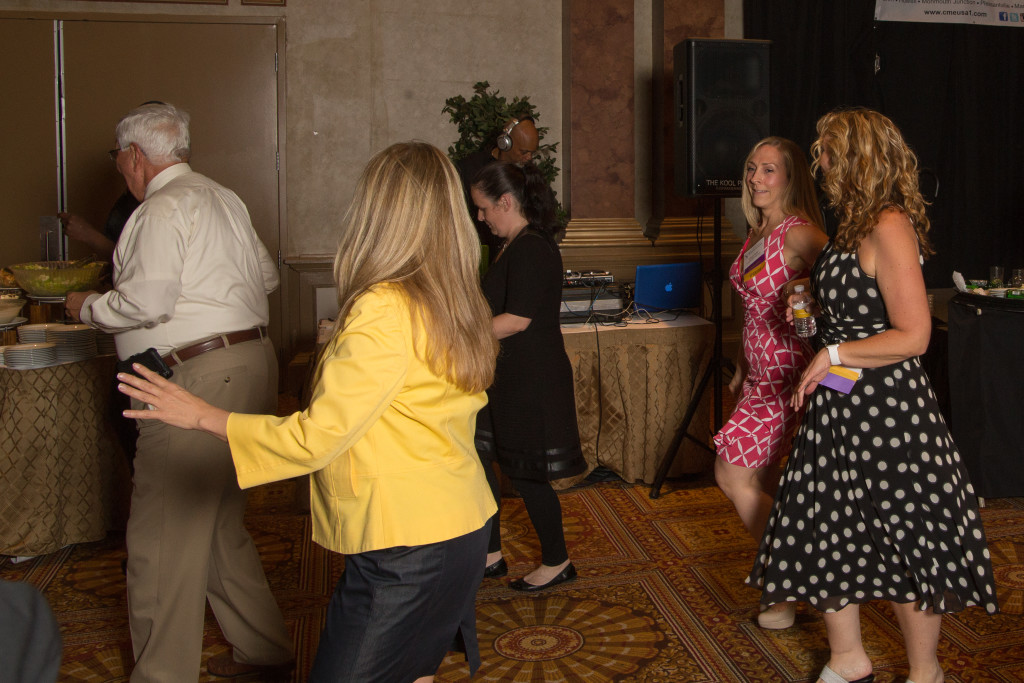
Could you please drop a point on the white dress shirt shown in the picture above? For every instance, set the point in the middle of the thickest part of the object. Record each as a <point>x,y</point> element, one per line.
<point>187,266</point>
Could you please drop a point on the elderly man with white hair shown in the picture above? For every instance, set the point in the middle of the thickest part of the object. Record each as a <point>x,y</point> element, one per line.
<point>191,280</point>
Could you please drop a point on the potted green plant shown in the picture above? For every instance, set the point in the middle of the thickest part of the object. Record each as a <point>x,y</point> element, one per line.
<point>480,120</point>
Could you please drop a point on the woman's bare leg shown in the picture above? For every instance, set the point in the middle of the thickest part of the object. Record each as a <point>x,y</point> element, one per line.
<point>921,638</point>
<point>751,491</point>
<point>847,656</point>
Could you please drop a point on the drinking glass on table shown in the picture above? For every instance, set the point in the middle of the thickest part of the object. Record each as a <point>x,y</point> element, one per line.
<point>995,276</point>
<point>1017,277</point>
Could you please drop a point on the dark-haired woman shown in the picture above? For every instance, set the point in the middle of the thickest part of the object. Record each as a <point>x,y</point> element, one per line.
<point>529,425</point>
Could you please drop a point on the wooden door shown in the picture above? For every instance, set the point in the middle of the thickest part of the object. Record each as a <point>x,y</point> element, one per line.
<point>223,74</point>
<point>29,172</point>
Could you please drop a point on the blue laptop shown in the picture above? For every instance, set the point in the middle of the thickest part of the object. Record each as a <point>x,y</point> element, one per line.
<point>667,286</point>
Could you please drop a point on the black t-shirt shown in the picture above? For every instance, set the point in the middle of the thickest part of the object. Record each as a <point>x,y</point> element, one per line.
<point>119,214</point>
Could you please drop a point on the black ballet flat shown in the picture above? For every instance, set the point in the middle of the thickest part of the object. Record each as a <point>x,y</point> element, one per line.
<point>567,574</point>
<point>499,568</point>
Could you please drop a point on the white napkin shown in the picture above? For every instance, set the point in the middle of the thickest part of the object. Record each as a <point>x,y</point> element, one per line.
<point>958,280</point>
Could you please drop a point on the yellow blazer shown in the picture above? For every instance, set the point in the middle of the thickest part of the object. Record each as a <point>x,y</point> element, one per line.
<point>389,443</point>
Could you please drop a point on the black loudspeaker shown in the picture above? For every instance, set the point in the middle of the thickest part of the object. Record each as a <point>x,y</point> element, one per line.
<point>721,111</point>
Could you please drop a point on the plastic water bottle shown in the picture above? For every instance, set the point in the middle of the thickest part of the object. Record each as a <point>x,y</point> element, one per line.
<point>806,325</point>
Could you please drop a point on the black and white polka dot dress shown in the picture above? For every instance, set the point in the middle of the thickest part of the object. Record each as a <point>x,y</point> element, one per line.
<point>874,501</point>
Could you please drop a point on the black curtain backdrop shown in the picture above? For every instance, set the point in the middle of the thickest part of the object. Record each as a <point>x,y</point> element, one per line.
<point>954,90</point>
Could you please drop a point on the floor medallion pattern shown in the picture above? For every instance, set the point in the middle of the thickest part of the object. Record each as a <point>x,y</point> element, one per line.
<point>576,637</point>
<point>659,598</point>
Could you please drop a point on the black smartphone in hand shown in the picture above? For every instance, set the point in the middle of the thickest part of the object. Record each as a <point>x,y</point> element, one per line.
<point>149,358</point>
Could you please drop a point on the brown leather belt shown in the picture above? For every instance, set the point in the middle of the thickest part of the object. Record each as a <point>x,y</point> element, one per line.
<point>219,342</point>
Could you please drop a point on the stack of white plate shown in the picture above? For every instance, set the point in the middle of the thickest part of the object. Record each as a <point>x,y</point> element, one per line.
<point>999,292</point>
<point>29,356</point>
<point>105,344</point>
<point>13,323</point>
<point>74,342</point>
<point>28,334</point>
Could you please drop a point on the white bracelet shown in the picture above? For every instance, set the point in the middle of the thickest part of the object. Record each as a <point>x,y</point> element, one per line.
<point>833,354</point>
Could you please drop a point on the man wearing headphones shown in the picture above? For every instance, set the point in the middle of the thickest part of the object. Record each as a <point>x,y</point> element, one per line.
<point>517,142</point>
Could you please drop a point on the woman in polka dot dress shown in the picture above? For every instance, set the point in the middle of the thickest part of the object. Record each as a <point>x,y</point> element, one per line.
<point>874,502</point>
<point>780,203</point>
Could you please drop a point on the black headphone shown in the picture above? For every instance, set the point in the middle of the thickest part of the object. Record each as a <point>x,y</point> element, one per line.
<point>505,139</point>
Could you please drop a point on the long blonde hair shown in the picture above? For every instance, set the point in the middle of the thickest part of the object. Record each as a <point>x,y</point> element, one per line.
<point>870,169</point>
<point>408,225</point>
<point>798,198</point>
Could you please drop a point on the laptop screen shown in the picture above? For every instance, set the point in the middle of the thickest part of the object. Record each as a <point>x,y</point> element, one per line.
<point>667,286</point>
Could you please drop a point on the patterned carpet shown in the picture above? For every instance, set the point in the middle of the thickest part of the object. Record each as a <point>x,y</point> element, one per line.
<point>659,598</point>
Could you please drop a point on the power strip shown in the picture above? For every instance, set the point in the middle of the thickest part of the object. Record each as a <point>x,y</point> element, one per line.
<point>618,316</point>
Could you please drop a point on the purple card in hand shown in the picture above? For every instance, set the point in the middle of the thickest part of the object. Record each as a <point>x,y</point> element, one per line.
<point>841,378</point>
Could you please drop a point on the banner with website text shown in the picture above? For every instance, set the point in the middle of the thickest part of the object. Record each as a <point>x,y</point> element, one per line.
<point>984,12</point>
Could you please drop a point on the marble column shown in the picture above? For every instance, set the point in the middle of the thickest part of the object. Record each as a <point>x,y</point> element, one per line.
<point>618,130</point>
<point>602,183</point>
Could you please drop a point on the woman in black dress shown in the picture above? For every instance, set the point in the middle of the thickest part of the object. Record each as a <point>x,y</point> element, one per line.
<point>529,425</point>
<point>874,503</point>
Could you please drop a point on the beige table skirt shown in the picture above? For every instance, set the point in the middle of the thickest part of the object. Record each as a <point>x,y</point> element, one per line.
<point>56,456</point>
<point>633,384</point>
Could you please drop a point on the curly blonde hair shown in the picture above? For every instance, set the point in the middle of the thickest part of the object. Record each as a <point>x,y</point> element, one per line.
<point>869,169</point>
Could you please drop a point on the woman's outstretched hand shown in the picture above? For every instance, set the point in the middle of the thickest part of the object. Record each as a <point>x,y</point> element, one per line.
<point>171,404</point>
<point>814,373</point>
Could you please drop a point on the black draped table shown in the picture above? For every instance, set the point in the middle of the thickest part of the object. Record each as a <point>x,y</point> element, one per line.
<point>986,373</point>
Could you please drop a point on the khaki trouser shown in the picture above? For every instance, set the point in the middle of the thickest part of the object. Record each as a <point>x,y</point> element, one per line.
<point>186,538</point>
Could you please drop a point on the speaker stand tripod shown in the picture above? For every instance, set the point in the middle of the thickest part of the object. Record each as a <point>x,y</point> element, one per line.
<point>713,372</point>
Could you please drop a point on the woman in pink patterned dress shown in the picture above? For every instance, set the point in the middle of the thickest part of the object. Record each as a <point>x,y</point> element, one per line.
<point>780,204</point>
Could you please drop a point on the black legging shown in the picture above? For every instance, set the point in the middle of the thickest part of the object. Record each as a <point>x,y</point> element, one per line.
<point>545,512</point>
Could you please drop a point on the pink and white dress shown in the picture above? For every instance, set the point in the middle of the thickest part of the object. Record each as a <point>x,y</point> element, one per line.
<point>775,355</point>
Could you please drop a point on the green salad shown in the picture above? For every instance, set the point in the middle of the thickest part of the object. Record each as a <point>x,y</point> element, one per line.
<point>55,278</point>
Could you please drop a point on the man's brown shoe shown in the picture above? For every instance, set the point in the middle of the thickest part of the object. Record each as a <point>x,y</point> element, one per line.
<point>224,665</point>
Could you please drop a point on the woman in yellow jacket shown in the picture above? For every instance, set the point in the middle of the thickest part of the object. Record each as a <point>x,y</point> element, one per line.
<point>397,485</point>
